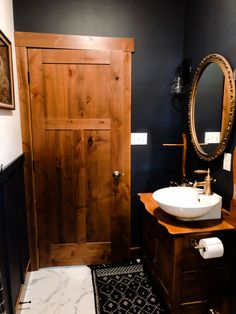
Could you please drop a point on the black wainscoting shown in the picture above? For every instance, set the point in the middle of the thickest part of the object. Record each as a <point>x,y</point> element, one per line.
<point>14,255</point>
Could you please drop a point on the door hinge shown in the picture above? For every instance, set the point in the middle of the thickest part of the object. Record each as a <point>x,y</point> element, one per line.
<point>28,75</point>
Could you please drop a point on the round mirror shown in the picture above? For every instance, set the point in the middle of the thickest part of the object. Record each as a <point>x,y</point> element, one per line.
<point>211,106</point>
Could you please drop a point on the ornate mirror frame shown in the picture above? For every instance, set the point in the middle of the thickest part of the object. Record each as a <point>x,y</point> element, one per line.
<point>228,105</point>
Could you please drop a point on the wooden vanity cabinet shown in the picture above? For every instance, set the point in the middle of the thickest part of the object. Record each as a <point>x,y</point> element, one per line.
<point>187,282</point>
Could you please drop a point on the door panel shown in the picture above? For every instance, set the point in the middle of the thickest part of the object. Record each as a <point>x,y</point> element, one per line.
<point>98,185</point>
<point>59,194</point>
<point>83,91</point>
<point>81,134</point>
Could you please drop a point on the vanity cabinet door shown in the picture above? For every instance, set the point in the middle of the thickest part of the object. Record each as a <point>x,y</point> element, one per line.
<point>150,245</point>
<point>165,270</point>
<point>157,255</point>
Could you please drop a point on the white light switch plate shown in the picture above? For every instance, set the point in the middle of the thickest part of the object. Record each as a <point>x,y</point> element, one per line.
<point>138,138</point>
<point>212,137</point>
<point>227,161</point>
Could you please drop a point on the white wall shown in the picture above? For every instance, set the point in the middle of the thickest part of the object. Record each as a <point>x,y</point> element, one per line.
<point>10,132</point>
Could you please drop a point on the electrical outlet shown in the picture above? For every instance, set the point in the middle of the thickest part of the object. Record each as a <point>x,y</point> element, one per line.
<point>212,137</point>
<point>138,138</point>
<point>227,161</point>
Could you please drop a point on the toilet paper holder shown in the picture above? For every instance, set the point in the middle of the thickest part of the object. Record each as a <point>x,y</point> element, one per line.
<point>196,245</point>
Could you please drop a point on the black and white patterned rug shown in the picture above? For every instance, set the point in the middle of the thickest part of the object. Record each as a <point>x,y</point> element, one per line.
<point>124,289</point>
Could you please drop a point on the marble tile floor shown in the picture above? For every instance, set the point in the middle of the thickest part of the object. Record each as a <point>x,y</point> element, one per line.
<point>58,290</point>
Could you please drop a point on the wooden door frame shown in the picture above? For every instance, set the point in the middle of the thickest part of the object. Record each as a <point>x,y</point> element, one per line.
<point>23,41</point>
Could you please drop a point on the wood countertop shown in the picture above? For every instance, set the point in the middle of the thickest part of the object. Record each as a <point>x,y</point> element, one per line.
<point>177,227</point>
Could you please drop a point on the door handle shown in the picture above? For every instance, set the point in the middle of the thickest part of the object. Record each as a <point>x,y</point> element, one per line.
<point>116,175</point>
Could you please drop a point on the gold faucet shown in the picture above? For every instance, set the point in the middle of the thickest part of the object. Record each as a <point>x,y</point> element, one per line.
<point>206,184</point>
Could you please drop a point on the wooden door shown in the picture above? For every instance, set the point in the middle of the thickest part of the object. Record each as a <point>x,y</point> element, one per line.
<point>80,113</point>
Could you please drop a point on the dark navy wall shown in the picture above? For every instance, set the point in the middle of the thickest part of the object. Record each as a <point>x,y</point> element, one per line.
<point>158,29</point>
<point>211,28</point>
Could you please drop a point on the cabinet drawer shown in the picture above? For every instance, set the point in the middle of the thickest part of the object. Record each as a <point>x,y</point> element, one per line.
<point>205,284</point>
<point>193,260</point>
<point>204,307</point>
<point>201,307</point>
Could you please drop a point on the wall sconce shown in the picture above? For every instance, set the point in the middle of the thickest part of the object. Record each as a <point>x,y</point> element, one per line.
<point>181,83</point>
<point>182,78</point>
<point>177,86</point>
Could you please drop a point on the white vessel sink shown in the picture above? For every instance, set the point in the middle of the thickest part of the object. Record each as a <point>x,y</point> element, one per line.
<point>188,203</point>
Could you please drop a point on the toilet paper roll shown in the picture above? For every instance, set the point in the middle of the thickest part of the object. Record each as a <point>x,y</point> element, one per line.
<point>213,247</point>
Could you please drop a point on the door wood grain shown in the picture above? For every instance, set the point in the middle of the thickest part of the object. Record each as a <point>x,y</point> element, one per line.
<point>79,114</point>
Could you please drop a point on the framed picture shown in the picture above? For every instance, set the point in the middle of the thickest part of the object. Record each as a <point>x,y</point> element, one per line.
<point>6,74</point>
